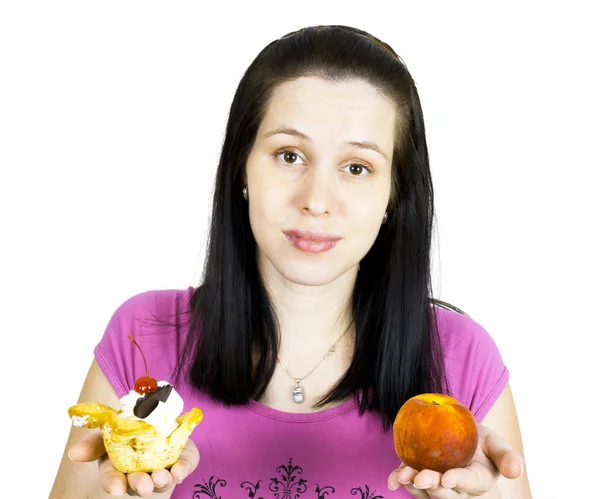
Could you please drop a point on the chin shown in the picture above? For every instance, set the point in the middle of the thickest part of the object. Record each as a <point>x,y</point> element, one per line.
<point>310,273</point>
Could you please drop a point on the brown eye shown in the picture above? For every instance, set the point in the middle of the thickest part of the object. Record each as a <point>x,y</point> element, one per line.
<point>289,155</point>
<point>357,170</point>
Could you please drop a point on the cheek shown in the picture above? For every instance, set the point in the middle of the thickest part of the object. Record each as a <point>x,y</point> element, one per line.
<point>365,222</point>
<point>266,212</point>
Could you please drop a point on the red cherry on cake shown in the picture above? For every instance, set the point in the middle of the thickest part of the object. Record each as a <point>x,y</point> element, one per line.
<point>144,384</point>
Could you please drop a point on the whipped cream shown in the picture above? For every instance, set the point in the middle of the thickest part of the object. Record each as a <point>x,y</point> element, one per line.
<point>80,420</point>
<point>162,417</point>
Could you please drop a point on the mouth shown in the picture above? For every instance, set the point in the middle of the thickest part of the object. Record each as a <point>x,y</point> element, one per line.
<point>311,242</point>
<point>311,236</point>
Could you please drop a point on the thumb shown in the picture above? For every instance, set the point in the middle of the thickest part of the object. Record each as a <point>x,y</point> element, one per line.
<point>512,465</point>
<point>509,463</point>
<point>187,462</point>
<point>89,448</point>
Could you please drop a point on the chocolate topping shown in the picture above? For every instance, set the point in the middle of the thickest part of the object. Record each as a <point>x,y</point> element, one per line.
<point>146,404</point>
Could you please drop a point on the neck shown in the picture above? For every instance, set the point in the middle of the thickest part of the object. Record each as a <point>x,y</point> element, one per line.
<point>310,318</point>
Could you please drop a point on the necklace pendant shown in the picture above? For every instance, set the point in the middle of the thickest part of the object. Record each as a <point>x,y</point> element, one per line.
<point>298,393</point>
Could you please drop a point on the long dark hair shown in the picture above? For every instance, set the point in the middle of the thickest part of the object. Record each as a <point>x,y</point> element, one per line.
<point>397,351</point>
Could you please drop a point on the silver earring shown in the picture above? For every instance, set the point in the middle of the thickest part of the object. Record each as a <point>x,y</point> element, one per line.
<point>245,192</point>
<point>385,217</point>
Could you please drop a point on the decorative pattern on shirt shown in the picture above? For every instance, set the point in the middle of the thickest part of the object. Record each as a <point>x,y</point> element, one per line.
<point>288,484</point>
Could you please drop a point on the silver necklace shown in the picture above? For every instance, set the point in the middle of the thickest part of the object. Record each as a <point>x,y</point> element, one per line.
<point>298,391</point>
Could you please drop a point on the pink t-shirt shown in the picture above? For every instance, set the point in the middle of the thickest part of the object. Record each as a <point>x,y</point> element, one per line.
<point>253,451</point>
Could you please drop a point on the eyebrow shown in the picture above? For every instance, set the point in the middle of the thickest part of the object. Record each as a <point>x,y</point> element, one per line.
<point>363,144</point>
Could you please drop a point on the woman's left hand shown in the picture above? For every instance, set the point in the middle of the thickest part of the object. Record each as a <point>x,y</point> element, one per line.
<point>492,458</point>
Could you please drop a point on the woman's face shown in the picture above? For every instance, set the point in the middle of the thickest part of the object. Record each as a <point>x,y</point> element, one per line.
<point>316,196</point>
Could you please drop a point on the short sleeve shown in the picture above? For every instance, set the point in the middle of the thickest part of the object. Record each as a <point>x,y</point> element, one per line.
<point>476,371</point>
<point>154,321</point>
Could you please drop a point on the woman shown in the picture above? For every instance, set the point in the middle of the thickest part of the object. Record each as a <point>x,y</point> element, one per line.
<point>315,322</point>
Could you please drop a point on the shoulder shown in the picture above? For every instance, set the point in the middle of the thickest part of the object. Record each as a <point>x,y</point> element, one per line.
<point>473,362</point>
<point>158,320</point>
<point>458,331</point>
<point>161,302</point>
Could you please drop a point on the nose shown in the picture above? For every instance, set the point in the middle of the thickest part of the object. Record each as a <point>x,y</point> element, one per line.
<point>316,191</point>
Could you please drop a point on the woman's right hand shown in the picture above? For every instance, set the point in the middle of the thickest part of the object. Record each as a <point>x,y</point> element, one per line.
<point>91,448</point>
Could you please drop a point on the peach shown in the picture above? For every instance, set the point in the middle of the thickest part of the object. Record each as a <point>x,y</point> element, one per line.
<point>435,432</point>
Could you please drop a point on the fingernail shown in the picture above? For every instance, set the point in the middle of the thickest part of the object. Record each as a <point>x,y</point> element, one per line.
<point>449,486</point>
<point>522,471</point>
<point>390,487</point>
<point>422,487</point>
<point>69,454</point>
<point>406,482</point>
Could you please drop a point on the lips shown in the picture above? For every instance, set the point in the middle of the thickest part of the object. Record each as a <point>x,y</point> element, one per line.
<point>311,242</point>
<point>311,236</point>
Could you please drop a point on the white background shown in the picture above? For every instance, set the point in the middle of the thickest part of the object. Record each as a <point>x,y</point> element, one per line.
<point>111,119</point>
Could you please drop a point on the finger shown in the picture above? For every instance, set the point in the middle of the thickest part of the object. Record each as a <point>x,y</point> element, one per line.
<point>111,480</point>
<point>429,484</point>
<point>434,493</point>
<point>508,462</point>
<point>426,480</point>
<point>89,448</point>
<point>187,462</point>
<point>406,475</point>
<point>141,483</point>
<point>134,493</point>
<point>392,480</point>
<point>162,479</point>
<point>417,493</point>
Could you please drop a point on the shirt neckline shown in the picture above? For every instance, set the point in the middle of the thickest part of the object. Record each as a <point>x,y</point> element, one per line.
<point>304,417</point>
<point>294,417</point>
